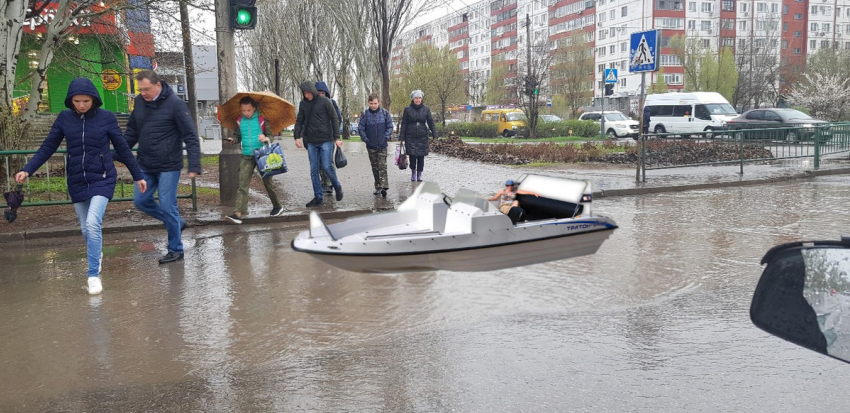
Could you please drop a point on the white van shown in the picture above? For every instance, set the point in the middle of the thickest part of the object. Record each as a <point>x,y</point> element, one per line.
<point>684,113</point>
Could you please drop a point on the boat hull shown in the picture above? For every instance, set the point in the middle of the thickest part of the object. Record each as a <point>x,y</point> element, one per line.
<point>479,258</point>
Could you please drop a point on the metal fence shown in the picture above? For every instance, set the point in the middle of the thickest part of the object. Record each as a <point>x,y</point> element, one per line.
<point>742,146</point>
<point>48,186</point>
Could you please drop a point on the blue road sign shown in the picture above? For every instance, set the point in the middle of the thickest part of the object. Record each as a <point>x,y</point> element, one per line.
<point>610,75</point>
<point>643,53</point>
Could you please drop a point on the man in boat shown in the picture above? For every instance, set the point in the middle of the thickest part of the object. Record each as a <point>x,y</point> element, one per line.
<point>507,197</point>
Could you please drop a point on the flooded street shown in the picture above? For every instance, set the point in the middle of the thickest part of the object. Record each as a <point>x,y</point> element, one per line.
<point>656,321</point>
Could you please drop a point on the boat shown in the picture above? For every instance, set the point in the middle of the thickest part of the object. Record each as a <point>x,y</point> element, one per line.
<point>431,231</point>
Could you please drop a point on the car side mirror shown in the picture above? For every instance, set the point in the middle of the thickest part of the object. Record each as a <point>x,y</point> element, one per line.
<point>803,296</point>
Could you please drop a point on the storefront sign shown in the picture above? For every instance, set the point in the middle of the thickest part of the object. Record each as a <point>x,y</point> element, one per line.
<point>111,79</point>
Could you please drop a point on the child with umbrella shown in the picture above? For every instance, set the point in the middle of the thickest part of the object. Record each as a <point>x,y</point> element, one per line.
<point>90,172</point>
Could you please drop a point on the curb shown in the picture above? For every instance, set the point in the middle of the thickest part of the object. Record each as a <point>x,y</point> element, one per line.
<point>337,215</point>
<point>680,188</point>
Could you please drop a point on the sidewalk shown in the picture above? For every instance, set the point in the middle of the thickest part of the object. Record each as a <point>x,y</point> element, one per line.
<point>451,174</point>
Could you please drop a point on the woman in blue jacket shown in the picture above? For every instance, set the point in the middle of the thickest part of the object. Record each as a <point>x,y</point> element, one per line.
<point>89,169</point>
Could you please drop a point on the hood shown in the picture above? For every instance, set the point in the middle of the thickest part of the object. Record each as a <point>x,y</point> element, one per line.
<point>82,86</point>
<point>166,90</point>
<point>309,87</point>
<point>322,87</point>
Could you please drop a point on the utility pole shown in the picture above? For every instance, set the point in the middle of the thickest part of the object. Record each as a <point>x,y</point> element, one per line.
<point>189,61</point>
<point>229,157</point>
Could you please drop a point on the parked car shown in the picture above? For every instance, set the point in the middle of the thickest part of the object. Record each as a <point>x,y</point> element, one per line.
<point>353,128</point>
<point>550,118</point>
<point>617,125</point>
<point>795,125</point>
<point>689,113</point>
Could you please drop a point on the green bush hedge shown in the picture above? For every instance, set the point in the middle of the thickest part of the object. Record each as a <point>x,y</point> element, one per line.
<point>472,129</point>
<point>583,128</point>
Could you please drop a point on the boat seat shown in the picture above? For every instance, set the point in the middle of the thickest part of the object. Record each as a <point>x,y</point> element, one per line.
<point>537,208</point>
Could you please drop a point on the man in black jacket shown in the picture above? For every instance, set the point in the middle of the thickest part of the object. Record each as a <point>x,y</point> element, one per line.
<point>317,125</point>
<point>161,124</point>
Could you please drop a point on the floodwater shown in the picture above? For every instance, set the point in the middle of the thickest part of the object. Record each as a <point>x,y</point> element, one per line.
<point>656,321</point>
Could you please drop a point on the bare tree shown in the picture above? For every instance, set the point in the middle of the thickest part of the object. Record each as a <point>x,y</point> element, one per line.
<point>389,18</point>
<point>533,72</point>
<point>828,103</point>
<point>572,72</point>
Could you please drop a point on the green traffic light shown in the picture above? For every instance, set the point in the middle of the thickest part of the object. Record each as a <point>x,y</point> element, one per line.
<point>243,17</point>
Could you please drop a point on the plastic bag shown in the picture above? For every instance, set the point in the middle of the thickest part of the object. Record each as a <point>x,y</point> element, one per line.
<point>270,160</point>
<point>339,159</point>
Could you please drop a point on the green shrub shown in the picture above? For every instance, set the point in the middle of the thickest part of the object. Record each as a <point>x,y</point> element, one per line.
<point>472,129</point>
<point>583,128</point>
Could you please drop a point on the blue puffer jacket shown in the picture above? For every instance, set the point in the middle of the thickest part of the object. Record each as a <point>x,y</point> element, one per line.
<point>89,169</point>
<point>160,128</point>
<point>375,128</point>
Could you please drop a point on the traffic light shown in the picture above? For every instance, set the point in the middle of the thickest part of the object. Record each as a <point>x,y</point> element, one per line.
<point>243,14</point>
<point>609,89</point>
<point>531,88</point>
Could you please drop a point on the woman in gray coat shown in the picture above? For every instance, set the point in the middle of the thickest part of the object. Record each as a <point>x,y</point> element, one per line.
<point>416,122</point>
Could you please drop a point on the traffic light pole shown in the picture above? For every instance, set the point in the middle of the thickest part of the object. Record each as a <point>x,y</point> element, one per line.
<point>229,157</point>
<point>602,121</point>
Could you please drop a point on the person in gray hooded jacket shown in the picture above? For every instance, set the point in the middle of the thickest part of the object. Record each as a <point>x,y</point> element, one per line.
<point>317,127</point>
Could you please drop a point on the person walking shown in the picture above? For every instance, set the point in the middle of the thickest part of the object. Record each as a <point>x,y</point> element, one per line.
<point>317,127</point>
<point>322,87</point>
<point>160,123</point>
<point>416,121</point>
<point>375,128</point>
<point>252,132</point>
<point>90,172</point>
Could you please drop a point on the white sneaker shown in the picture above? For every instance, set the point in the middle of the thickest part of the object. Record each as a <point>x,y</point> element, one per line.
<point>95,287</point>
<point>100,264</point>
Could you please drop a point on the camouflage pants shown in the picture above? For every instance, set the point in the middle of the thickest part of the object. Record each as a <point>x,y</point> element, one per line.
<point>378,159</point>
<point>326,182</point>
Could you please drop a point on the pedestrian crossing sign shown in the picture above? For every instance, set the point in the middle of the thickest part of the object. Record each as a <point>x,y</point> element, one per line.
<point>643,53</point>
<point>610,75</point>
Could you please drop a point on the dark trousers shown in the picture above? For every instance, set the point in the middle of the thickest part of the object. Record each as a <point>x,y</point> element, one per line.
<point>417,163</point>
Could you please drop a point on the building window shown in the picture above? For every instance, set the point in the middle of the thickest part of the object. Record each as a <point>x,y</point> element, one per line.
<point>727,5</point>
<point>669,5</point>
<point>798,34</point>
<point>601,68</point>
<point>669,60</point>
<point>624,11</point>
<point>692,6</point>
<point>824,44</point>
<point>624,47</point>
<point>813,10</point>
<point>784,44</point>
<point>705,25</point>
<point>797,50</point>
<point>672,78</point>
<point>785,9</point>
<point>692,24</point>
<point>798,16</point>
<point>774,8</point>
<point>727,41</point>
<point>706,7</point>
<point>813,27</point>
<point>743,25</point>
<point>744,7</point>
<point>669,23</point>
<point>705,43</point>
<point>813,44</point>
<point>827,27</point>
<point>742,43</point>
<point>727,24</point>
<point>761,7</point>
<point>623,82</point>
<point>784,27</point>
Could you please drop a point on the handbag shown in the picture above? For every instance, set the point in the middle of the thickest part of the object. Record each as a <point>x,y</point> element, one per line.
<point>270,160</point>
<point>402,156</point>
<point>339,159</point>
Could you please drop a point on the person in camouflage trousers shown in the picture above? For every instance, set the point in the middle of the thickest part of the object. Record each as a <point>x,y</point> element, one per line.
<point>375,128</point>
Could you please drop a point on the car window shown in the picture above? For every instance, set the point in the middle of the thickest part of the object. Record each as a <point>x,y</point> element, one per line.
<point>615,117</point>
<point>793,114</point>
<point>661,110</point>
<point>756,115</point>
<point>681,110</point>
<point>772,116</point>
<point>701,112</point>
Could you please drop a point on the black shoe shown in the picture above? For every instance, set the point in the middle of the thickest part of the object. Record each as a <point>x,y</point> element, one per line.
<point>384,192</point>
<point>235,219</point>
<point>171,257</point>
<point>276,211</point>
<point>377,192</point>
<point>328,189</point>
<point>314,203</point>
<point>338,193</point>
<point>183,225</point>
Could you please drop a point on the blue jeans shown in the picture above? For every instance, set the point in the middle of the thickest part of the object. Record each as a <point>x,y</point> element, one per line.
<point>321,155</point>
<point>166,210</point>
<point>90,214</point>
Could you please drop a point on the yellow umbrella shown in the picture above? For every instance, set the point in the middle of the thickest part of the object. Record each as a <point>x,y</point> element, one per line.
<point>277,111</point>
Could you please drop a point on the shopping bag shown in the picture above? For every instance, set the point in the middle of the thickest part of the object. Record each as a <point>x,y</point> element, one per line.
<point>270,160</point>
<point>339,159</point>
<point>402,157</point>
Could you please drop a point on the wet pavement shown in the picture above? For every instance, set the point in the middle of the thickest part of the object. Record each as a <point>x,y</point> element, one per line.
<point>656,321</point>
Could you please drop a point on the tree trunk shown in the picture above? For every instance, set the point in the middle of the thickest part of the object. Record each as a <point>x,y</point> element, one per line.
<point>11,31</point>
<point>189,61</point>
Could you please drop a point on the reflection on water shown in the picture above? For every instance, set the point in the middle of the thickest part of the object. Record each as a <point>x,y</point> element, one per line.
<point>657,316</point>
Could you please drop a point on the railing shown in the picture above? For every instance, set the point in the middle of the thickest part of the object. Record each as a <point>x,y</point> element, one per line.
<point>13,161</point>
<point>742,146</point>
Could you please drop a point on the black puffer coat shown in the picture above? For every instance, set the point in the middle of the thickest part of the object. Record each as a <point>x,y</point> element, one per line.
<point>161,128</point>
<point>416,121</point>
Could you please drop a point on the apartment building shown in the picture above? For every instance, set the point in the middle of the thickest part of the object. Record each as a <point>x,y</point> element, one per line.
<point>765,35</point>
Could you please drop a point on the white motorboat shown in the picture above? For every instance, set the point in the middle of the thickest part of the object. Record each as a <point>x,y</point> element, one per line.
<point>431,231</point>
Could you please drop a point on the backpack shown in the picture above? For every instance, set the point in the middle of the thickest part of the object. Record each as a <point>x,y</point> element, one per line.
<point>262,122</point>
